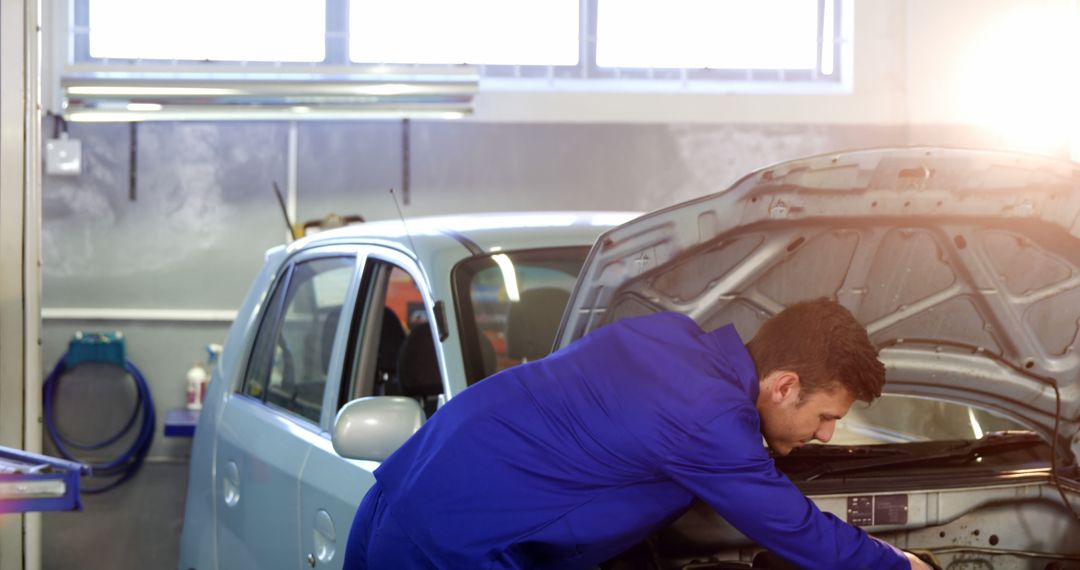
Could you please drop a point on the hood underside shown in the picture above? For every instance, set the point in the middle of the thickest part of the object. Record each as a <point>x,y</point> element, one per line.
<point>963,265</point>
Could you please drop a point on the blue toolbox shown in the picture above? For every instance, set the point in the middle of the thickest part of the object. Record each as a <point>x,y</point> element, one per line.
<point>32,482</point>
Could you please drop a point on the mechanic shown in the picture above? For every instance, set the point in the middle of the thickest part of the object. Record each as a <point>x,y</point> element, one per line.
<point>569,460</point>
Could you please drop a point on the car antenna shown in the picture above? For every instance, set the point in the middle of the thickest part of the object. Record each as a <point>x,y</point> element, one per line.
<point>402,216</point>
<point>285,211</point>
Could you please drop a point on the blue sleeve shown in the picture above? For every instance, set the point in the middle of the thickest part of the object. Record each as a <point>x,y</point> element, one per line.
<point>725,464</point>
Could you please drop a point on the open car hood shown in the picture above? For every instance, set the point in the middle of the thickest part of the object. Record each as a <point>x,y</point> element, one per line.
<point>963,265</point>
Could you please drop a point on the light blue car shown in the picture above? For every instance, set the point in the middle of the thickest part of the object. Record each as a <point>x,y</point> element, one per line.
<point>401,316</point>
<point>963,265</point>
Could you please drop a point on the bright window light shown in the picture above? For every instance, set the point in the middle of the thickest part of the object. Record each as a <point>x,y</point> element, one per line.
<point>715,34</point>
<point>828,39</point>
<point>1012,76</point>
<point>482,32</point>
<point>217,30</point>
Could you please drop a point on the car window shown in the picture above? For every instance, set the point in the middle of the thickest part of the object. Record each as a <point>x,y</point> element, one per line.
<point>394,352</point>
<point>258,368</point>
<point>510,305</point>
<point>895,418</point>
<point>291,354</point>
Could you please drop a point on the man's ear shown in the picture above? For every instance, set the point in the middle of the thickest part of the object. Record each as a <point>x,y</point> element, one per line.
<point>782,385</point>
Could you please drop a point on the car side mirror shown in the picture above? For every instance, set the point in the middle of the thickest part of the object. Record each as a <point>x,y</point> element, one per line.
<point>374,427</point>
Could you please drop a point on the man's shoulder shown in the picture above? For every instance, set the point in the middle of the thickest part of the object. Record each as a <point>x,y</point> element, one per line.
<point>665,319</point>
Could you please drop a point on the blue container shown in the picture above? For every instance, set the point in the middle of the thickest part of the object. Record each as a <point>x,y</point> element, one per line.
<point>105,347</point>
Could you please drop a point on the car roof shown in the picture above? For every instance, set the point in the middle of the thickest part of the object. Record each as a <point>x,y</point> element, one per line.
<point>475,233</point>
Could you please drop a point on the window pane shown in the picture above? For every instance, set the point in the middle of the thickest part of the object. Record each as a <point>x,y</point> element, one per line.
<point>395,355</point>
<point>305,337</point>
<point>492,32</point>
<point>401,311</point>
<point>219,30</point>
<point>259,364</point>
<point>715,34</point>
<point>514,304</point>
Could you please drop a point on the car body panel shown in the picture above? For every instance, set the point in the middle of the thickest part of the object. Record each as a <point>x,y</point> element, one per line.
<point>257,485</point>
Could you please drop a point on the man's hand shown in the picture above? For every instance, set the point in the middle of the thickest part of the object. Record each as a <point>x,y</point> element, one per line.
<point>926,562</point>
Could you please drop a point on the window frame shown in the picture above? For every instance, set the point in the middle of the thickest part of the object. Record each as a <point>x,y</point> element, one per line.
<point>272,314</point>
<point>377,263</point>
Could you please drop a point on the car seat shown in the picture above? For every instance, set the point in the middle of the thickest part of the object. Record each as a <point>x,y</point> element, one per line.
<point>391,339</point>
<point>418,368</point>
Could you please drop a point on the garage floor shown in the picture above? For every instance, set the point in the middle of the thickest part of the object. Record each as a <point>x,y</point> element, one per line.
<point>135,526</point>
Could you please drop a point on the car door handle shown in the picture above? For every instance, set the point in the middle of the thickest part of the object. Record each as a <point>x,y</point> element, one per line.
<point>230,484</point>
<point>324,538</point>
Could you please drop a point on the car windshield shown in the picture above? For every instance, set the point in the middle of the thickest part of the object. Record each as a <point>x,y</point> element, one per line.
<point>510,304</point>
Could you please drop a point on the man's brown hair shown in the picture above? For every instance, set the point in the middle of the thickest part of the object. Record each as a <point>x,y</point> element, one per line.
<point>822,342</point>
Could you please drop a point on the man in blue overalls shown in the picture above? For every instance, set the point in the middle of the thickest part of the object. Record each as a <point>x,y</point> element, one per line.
<point>569,460</point>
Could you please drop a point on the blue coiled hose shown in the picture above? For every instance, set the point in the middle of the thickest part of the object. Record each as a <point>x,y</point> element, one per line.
<point>127,463</point>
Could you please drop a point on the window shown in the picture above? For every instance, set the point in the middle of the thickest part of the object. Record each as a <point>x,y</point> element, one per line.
<point>492,32</point>
<point>510,305</point>
<point>395,352</point>
<point>683,40</point>
<point>215,30</point>
<point>715,34</point>
<point>291,355</point>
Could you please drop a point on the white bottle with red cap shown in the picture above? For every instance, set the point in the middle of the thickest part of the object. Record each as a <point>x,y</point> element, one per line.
<point>197,378</point>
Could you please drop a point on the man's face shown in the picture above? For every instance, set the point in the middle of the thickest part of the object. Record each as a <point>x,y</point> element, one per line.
<point>788,423</point>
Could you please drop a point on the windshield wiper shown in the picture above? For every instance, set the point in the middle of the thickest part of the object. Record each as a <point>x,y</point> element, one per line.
<point>993,442</point>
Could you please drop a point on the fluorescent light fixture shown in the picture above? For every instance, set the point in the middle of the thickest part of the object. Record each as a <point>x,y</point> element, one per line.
<point>388,89</point>
<point>139,91</point>
<point>144,107</point>
<point>225,93</point>
<point>105,117</point>
<point>256,114</point>
<point>509,276</point>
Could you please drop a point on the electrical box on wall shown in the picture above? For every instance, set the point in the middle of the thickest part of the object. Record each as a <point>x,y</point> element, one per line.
<point>63,157</point>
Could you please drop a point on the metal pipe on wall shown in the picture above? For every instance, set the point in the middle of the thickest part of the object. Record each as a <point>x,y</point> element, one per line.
<point>31,262</point>
<point>126,314</point>
<point>291,174</point>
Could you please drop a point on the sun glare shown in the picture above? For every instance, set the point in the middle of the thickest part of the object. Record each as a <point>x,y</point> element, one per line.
<point>1020,78</point>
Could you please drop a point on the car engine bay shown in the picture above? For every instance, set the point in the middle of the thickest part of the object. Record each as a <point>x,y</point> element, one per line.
<point>988,504</point>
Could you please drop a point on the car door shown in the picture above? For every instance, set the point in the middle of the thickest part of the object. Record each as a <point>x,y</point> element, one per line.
<point>267,426</point>
<point>390,349</point>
